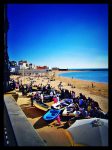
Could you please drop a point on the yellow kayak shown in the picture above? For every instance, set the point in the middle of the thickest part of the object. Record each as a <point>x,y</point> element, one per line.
<point>41,106</point>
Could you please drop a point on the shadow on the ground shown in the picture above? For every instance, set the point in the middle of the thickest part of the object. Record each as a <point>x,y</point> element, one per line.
<point>40,123</point>
<point>31,112</point>
<point>64,126</point>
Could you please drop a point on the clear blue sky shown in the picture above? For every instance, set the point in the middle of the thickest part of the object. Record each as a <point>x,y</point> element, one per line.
<point>59,35</point>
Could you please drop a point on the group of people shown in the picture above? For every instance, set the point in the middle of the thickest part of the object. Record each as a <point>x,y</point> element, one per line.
<point>45,94</point>
<point>87,107</point>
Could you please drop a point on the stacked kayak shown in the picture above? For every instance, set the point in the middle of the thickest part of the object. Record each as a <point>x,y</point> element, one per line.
<point>51,115</point>
<point>70,111</point>
<point>59,105</point>
<point>40,105</point>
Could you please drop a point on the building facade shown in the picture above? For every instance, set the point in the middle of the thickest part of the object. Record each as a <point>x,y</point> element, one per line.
<point>23,64</point>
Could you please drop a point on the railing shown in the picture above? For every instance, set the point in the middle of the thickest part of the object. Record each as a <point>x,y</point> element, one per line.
<point>17,130</point>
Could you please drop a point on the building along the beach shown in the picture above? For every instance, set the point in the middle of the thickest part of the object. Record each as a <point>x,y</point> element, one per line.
<point>32,71</point>
<point>42,67</point>
<point>14,68</point>
<point>55,68</point>
<point>13,63</point>
<point>23,64</point>
<point>25,68</point>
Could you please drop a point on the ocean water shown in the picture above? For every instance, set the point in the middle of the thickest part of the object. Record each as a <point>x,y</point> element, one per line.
<point>93,76</point>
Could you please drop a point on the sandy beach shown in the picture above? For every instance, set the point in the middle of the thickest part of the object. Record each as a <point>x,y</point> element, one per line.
<point>50,132</point>
<point>99,92</point>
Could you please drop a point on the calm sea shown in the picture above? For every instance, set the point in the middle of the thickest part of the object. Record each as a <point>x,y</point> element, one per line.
<point>94,76</point>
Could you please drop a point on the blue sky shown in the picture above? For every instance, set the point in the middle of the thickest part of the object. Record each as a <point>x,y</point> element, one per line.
<point>59,35</point>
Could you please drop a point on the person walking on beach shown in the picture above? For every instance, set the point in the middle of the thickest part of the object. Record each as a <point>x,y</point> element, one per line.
<point>55,99</point>
<point>60,85</point>
<point>41,97</point>
<point>51,95</point>
<point>30,88</point>
<point>58,118</point>
<point>22,89</point>
<point>32,99</point>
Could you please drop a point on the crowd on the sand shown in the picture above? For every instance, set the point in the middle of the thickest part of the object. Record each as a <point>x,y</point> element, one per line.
<point>87,107</point>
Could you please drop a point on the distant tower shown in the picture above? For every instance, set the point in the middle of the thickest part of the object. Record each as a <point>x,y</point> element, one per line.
<point>6,57</point>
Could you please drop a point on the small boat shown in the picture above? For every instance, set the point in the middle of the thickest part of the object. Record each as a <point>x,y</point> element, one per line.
<point>68,101</point>
<point>56,105</point>
<point>41,106</point>
<point>34,88</point>
<point>46,97</point>
<point>51,115</point>
<point>59,105</point>
<point>70,112</point>
<point>30,94</point>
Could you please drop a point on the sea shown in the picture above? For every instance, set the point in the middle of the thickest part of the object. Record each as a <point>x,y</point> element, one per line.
<point>93,75</point>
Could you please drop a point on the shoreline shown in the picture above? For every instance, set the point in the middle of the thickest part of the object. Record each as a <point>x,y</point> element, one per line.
<point>59,72</point>
<point>99,91</point>
<point>34,115</point>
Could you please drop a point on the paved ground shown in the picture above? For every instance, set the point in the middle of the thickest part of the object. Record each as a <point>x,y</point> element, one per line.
<point>9,139</point>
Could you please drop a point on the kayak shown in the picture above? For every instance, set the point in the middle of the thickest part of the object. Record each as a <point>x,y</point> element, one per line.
<point>68,101</point>
<point>59,105</point>
<point>51,115</point>
<point>70,112</point>
<point>47,97</point>
<point>41,106</point>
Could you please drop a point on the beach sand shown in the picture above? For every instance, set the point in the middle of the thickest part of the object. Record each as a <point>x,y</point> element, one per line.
<point>52,134</point>
<point>99,92</point>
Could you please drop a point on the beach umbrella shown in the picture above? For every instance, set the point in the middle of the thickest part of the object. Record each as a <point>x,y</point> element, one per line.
<point>90,132</point>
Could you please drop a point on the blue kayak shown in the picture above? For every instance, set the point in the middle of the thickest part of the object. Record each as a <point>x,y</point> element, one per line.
<point>52,114</point>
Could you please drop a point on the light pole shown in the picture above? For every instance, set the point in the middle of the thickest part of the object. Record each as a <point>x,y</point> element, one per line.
<point>23,76</point>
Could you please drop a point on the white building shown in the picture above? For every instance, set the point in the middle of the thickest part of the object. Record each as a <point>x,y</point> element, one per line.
<point>14,69</point>
<point>23,65</point>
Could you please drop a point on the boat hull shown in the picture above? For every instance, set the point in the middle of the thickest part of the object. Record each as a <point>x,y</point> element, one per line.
<point>41,106</point>
<point>51,115</point>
